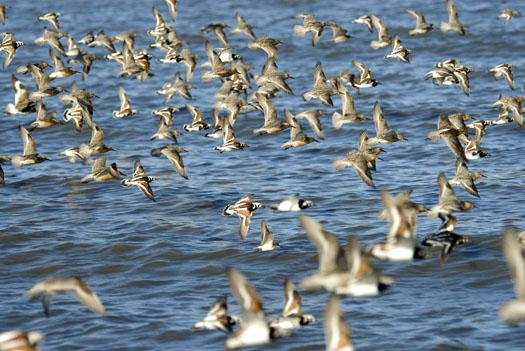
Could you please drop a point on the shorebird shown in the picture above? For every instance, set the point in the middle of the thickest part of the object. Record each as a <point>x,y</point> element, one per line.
<point>57,285</point>
<point>44,89</point>
<point>77,114</point>
<point>243,27</point>
<point>297,136</point>
<point>198,120</point>
<point>347,272</point>
<point>218,29</point>
<point>401,239</point>
<point>229,142</point>
<point>448,202</point>
<point>337,334</point>
<point>17,340</point>
<point>504,70</point>
<point>22,105</point>
<point>366,20</point>
<point>166,114</point>
<point>3,9</point>
<point>383,134</point>
<point>365,79</point>
<point>273,79</point>
<point>2,175</point>
<point>268,242</point>
<point>43,118</point>
<point>359,161</point>
<point>465,178</point>
<point>422,27</point>
<point>453,21</point>
<point>125,108</point>
<point>320,89</point>
<point>445,238</point>
<point>178,86</point>
<point>52,18</point>
<point>243,208</point>
<point>398,50</point>
<point>348,114</point>
<point>514,311</point>
<point>292,203</point>
<point>72,47</point>
<point>339,34</point>
<point>217,318</point>
<point>254,329</point>
<point>52,39</point>
<point>507,14</point>
<point>310,24</point>
<point>60,69</point>
<point>102,40</point>
<point>189,60</point>
<point>172,153</point>
<point>164,132</point>
<point>9,46</point>
<point>30,155</point>
<point>272,124</point>
<point>266,44</point>
<point>96,144</point>
<point>450,135</point>
<point>101,173</point>
<point>172,8</point>
<point>384,39</point>
<point>141,180</point>
<point>292,317</point>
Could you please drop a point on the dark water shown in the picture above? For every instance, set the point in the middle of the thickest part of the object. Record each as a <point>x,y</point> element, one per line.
<point>158,266</point>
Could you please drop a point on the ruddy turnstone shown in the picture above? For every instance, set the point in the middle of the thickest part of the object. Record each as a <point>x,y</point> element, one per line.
<point>507,14</point>
<point>292,317</point>
<point>125,108</point>
<point>17,340</point>
<point>22,105</point>
<point>57,285</point>
<point>141,180</point>
<point>293,203</point>
<point>339,34</point>
<point>254,329</point>
<point>504,70</point>
<point>217,318</point>
<point>268,242</point>
<point>9,46</point>
<point>198,120</point>
<point>229,142</point>
<point>243,208</point>
<point>398,50</point>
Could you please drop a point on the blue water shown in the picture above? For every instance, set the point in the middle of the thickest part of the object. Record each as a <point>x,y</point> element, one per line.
<point>158,266</point>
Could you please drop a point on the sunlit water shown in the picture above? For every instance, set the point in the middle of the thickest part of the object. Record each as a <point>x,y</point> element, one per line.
<point>158,266</point>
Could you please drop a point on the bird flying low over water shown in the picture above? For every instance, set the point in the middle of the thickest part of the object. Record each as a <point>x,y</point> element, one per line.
<point>514,311</point>
<point>337,334</point>
<point>141,180</point>
<point>56,285</point>
<point>292,316</point>
<point>217,318</point>
<point>243,208</point>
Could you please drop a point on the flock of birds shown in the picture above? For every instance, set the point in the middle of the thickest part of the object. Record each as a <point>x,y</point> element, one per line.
<point>343,270</point>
